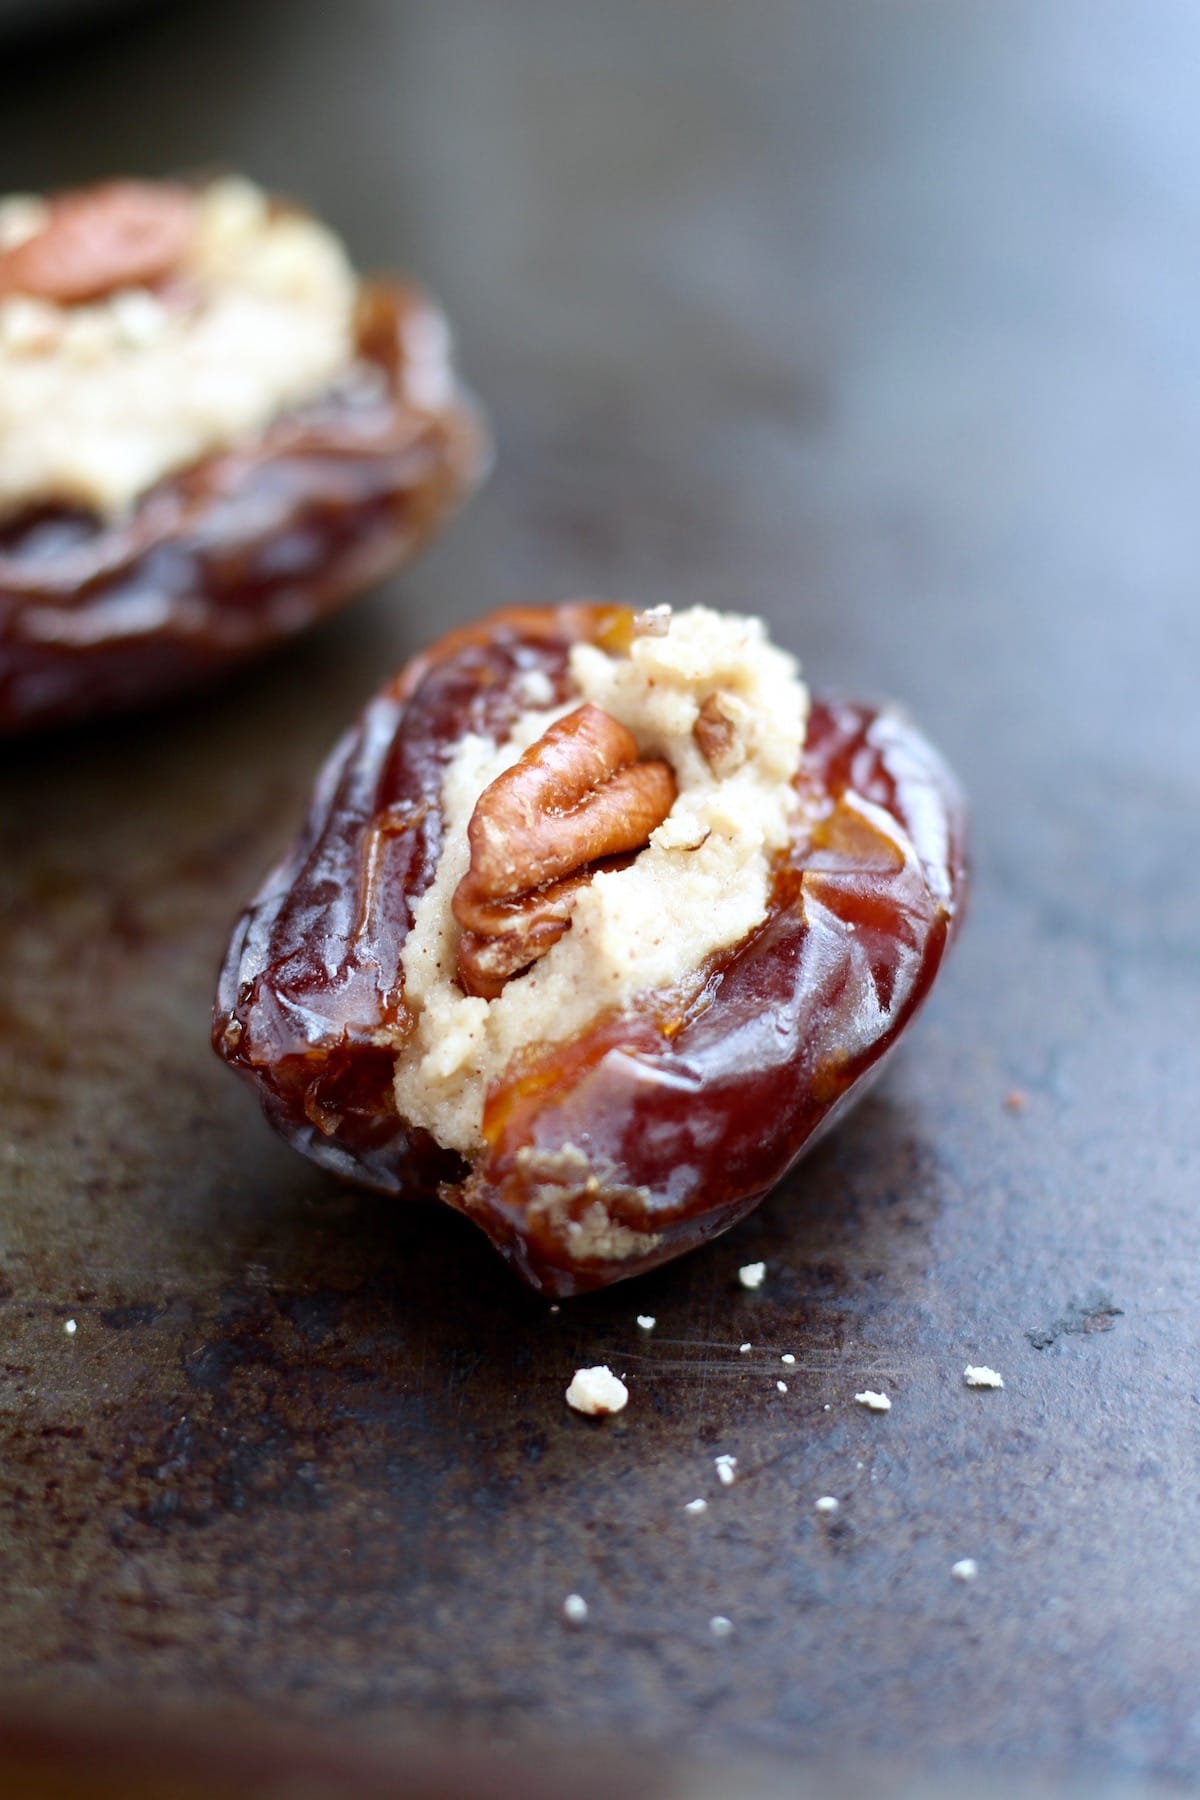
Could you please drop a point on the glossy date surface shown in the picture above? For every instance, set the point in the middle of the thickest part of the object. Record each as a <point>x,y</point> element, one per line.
<point>249,545</point>
<point>662,1124</point>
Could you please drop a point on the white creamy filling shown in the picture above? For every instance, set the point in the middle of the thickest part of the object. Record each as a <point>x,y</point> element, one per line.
<point>99,402</point>
<point>701,885</point>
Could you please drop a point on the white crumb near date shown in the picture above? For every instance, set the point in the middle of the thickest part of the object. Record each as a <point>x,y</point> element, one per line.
<point>575,1609</point>
<point>752,1275</point>
<point>979,1376</point>
<point>726,1467</point>
<point>597,1392</point>
<point>872,1401</point>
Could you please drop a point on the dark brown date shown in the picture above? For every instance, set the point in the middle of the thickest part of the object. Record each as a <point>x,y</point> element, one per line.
<point>661,1125</point>
<point>246,547</point>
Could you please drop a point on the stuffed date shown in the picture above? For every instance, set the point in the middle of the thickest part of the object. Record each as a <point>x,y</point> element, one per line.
<point>212,433</point>
<point>595,923</point>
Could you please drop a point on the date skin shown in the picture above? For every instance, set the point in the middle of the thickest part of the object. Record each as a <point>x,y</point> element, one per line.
<point>663,1124</point>
<point>246,547</point>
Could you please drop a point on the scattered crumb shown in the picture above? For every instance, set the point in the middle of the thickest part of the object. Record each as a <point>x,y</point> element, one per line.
<point>1016,1100</point>
<point>966,1570</point>
<point>876,1402</point>
<point>575,1609</point>
<point>982,1377</point>
<point>597,1391</point>
<point>782,1386</point>
<point>827,1407</point>
<point>859,1465</point>
<point>751,1274</point>
<point>788,1358</point>
<point>725,1469</point>
<point>745,1349</point>
<point>70,1327</point>
<point>827,1504</point>
<point>647,1321</point>
<point>696,1506</point>
<point>555,1309</point>
<point>720,1626</point>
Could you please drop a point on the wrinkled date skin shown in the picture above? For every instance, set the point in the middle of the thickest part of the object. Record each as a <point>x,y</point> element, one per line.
<point>246,547</point>
<point>660,1126</point>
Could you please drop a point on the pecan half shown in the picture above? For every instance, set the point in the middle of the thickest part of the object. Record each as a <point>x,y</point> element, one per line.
<point>577,797</point>
<point>117,234</point>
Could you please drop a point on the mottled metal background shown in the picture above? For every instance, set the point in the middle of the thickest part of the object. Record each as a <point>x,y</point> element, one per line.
<point>882,320</point>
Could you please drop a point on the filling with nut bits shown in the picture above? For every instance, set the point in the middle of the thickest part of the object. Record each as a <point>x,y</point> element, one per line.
<point>607,849</point>
<point>145,325</point>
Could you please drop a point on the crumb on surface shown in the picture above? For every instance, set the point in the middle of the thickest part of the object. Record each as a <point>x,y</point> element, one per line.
<point>720,1626</point>
<point>696,1506</point>
<point>726,1466</point>
<point>70,1327</point>
<point>745,1349</point>
<point>982,1377</point>
<point>873,1402</point>
<point>575,1609</point>
<point>597,1391</point>
<point>828,1503</point>
<point>751,1274</point>
<point>787,1358</point>
<point>782,1386</point>
<point>647,1321</point>
<point>966,1569</point>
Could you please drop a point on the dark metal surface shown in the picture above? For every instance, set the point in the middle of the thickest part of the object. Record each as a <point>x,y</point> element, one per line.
<point>883,321</point>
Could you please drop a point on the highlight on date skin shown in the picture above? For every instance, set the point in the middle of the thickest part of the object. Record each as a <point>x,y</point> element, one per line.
<point>597,921</point>
<point>213,432</point>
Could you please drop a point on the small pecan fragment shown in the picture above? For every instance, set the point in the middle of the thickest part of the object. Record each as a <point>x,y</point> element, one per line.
<point>717,737</point>
<point>577,797</point>
<point>118,234</point>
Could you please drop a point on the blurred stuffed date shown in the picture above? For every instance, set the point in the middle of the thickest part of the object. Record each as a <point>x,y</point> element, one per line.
<point>212,434</point>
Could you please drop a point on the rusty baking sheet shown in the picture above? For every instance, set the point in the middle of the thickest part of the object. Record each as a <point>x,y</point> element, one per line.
<point>878,325</point>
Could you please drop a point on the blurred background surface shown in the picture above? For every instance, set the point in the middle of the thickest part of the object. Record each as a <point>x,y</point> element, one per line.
<point>883,321</point>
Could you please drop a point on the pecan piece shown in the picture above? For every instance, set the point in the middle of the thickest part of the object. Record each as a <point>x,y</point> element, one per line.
<point>717,737</point>
<point>577,797</point>
<point>118,234</point>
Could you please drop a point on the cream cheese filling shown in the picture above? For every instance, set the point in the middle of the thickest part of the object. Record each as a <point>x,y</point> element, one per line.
<point>701,885</point>
<point>101,401</point>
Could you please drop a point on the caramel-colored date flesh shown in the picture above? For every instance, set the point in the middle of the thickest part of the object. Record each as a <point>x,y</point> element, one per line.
<point>246,547</point>
<point>675,1123</point>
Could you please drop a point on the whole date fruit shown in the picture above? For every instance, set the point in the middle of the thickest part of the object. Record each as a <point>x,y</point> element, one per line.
<point>668,1118</point>
<point>257,538</point>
